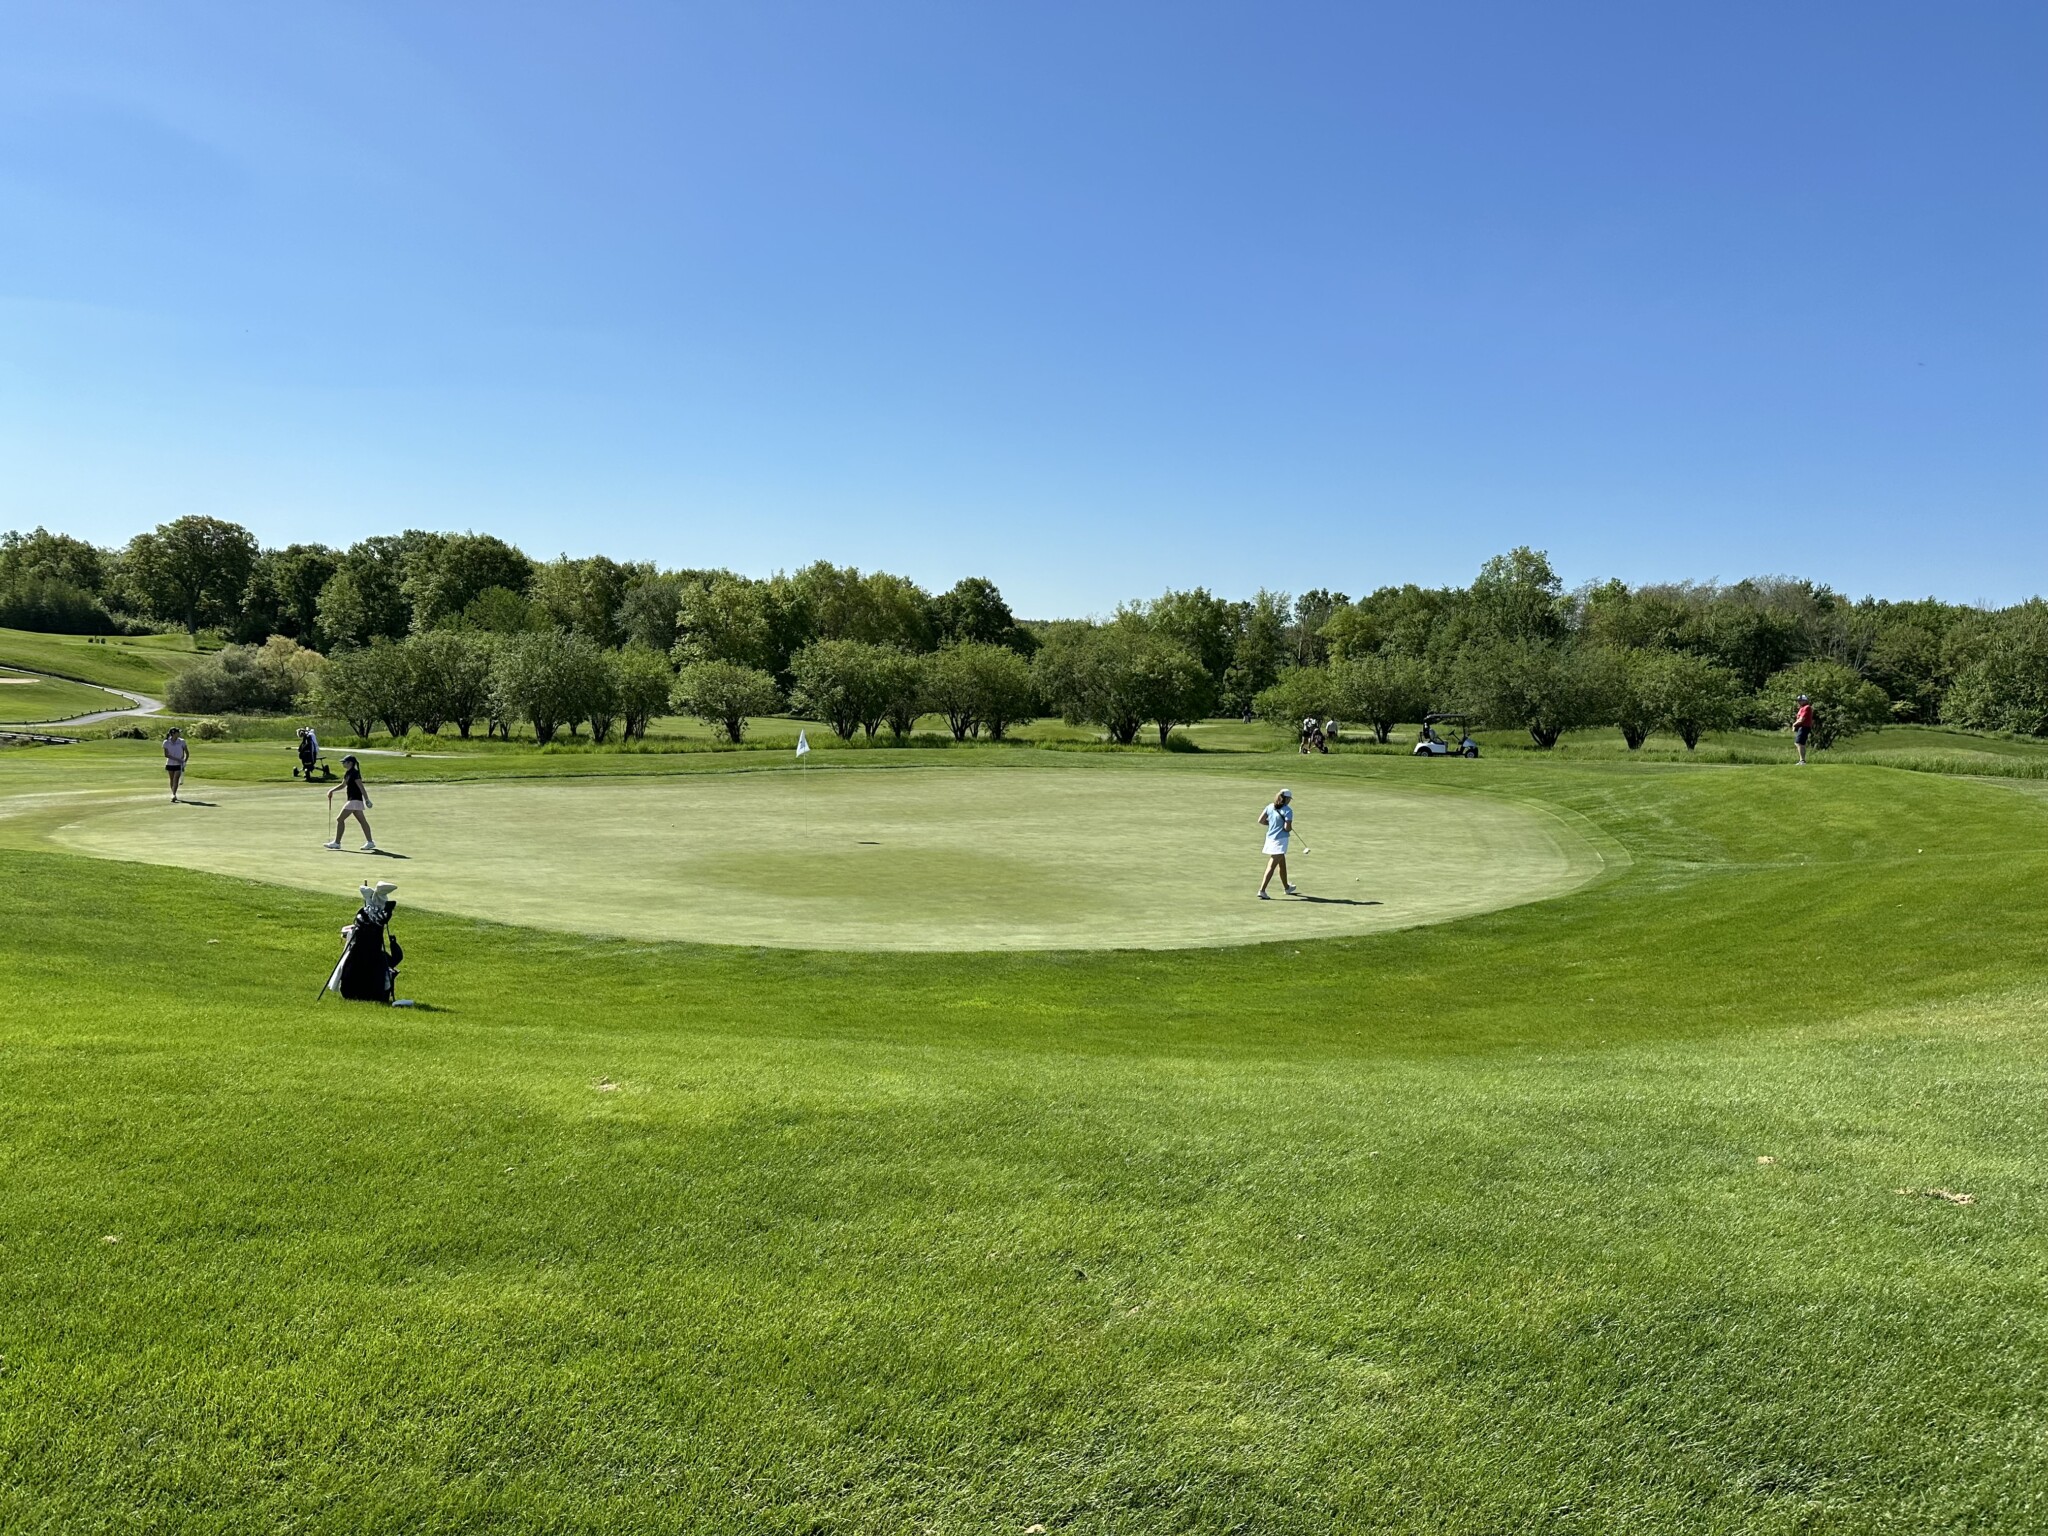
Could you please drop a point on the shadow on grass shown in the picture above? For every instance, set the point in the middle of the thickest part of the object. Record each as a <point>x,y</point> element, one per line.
<point>1339,901</point>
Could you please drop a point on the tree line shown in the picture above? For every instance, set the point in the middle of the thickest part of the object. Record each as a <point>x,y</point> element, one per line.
<point>862,651</point>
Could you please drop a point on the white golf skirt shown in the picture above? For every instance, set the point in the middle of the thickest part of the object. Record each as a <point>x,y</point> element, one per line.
<point>1276,845</point>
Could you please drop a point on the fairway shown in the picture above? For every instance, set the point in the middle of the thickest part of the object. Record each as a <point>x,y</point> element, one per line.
<point>1065,854</point>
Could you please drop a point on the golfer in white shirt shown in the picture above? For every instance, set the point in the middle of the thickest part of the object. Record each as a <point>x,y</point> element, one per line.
<point>1278,820</point>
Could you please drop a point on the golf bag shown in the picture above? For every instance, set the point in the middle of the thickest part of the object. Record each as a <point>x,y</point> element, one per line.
<point>368,969</point>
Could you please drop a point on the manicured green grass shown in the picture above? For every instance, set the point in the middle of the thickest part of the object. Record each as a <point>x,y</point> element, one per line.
<point>27,699</point>
<point>1027,850</point>
<point>1459,1228</point>
<point>145,663</point>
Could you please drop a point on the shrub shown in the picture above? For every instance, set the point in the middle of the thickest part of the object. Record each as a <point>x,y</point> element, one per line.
<point>724,694</point>
<point>601,703</point>
<point>645,680</point>
<point>979,686</point>
<point>449,672</point>
<point>900,685</point>
<point>1539,685</point>
<point>1689,695</point>
<point>1377,691</point>
<point>1300,692</point>
<point>2006,687</point>
<point>549,677</point>
<point>208,730</point>
<point>247,679</point>
<point>1120,676</point>
<point>343,691</point>
<point>843,683</point>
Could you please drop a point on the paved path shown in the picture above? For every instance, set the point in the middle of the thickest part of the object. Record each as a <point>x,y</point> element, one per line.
<point>141,703</point>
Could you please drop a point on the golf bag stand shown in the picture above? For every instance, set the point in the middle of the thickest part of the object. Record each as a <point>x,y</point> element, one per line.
<point>368,969</point>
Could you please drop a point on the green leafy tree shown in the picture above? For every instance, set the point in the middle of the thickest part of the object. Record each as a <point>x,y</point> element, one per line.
<point>548,677</point>
<point>973,612</point>
<point>647,612</point>
<point>343,692</point>
<point>730,618</point>
<point>451,678</point>
<point>43,556</point>
<point>601,704</point>
<point>1544,688</point>
<point>1175,687</point>
<point>1262,647</point>
<point>900,678</point>
<point>1377,691</point>
<point>582,596</point>
<point>283,596</point>
<point>725,694</point>
<point>501,611</point>
<point>980,687</point>
<point>393,684</point>
<point>443,577</point>
<point>645,681</point>
<point>191,572</point>
<point>1313,610</point>
<point>365,598</point>
<point>843,683</point>
<point>1403,621</point>
<point>1689,694</point>
<point>2004,687</point>
<point>1844,704</point>
<point>1119,676</point>
<point>876,608</point>
<point>1298,693</point>
<point>1517,597</point>
<point>1624,680</point>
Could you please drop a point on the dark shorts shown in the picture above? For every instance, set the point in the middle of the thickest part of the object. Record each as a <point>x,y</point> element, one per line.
<point>1799,734</point>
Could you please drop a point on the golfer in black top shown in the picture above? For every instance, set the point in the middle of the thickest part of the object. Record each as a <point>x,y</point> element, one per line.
<point>355,801</point>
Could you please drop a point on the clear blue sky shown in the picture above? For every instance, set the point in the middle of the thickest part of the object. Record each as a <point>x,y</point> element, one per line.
<point>1090,298</point>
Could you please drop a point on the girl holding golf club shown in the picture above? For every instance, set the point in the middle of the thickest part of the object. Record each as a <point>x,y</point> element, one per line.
<point>355,801</point>
<point>177,751</point>
<point>1278,820</point>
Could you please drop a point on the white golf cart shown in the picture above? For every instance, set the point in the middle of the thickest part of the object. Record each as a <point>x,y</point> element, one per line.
<point>1430,744</point>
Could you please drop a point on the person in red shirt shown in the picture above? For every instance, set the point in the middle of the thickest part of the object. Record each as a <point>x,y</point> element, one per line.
<point>1802,726</point>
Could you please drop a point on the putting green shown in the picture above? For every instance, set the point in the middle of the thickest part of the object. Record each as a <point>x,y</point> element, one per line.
<point>1068,856</point>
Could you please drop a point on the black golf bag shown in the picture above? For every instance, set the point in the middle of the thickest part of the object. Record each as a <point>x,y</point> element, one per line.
<point>368,972</point>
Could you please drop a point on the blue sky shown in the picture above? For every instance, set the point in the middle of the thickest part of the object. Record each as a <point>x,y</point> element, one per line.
<point>1090,298</point>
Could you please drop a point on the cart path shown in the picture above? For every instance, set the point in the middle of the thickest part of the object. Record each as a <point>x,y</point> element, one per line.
<point>141,703</point>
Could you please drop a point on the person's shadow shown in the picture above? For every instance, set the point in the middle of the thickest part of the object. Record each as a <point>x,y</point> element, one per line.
<point>206,805</point>
<point>1339,901</point>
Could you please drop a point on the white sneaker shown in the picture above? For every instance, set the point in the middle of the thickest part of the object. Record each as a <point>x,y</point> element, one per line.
<point>369,847</point>
<point>336,845</point>
<point>1294,890</point>
<point>1265,895</point>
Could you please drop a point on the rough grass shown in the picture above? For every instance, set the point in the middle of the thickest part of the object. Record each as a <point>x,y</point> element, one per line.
<point>1602,1213</point>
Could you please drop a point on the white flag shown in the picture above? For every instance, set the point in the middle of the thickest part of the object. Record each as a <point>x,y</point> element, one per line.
<point>803,743</point>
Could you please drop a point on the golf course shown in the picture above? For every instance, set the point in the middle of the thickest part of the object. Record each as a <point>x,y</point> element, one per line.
<point>947,1141</point>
